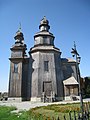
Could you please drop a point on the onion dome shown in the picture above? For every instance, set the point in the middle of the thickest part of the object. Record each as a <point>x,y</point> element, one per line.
<point>44,24</point>
<point>19,36</point>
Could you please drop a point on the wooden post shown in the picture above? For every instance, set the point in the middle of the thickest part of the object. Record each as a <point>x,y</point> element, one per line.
<point>75,115</point>
<point>64,117</point>
<point>58,118</point>
<point>79,117</point>
<point>70,115</point>
<point>43,97</point>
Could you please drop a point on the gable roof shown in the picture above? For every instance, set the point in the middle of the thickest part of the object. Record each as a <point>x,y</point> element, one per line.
<point>70,81</point>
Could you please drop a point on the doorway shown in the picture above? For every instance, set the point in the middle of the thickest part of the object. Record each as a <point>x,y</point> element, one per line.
<point>47,88</point>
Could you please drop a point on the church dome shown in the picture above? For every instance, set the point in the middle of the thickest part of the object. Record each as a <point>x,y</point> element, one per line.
<point>19,37</point>
<point>44,21</point>
<point>44,37</point>
<point>19,33</point>
<point>44,24</point>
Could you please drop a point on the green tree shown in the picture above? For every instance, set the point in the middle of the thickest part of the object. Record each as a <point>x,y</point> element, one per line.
<point>87,87</point>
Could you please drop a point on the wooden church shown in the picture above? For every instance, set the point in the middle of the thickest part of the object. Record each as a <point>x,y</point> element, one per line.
<point>42,75</point>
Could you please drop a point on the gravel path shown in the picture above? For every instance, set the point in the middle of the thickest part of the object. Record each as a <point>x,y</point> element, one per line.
<point>23,105</point>
<point>28,105</point>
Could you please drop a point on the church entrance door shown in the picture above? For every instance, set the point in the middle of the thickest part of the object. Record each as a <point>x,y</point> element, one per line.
<point>47,88</point>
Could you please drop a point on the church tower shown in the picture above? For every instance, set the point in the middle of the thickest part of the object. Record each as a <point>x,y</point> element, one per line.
<point>16,67</point>
<point>46,77</point>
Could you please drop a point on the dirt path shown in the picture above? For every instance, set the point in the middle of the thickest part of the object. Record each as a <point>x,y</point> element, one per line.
<point>28,105</point>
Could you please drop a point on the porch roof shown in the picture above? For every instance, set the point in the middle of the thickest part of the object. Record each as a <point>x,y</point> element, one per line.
<point>70,81</point>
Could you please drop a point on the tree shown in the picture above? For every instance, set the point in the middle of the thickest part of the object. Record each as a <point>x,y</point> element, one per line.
<point>87,87</point>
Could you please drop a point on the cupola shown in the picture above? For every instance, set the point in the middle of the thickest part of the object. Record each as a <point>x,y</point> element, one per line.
<point>44,37</point>
<point>19,37</point>
<point>44,25</point>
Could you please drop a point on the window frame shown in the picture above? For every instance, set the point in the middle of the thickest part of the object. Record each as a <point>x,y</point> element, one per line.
<point>46,66</point>
<point>15,67</point>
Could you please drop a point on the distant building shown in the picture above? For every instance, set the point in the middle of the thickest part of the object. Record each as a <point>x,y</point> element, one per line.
<point>44,75</point>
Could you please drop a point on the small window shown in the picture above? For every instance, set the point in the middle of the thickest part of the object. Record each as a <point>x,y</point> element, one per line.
<point>16,68</point>
<point>46,68</point>
<point>44,39</point>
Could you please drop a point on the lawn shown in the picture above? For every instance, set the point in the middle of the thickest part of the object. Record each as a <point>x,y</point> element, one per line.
<point>50,112</point>
<point>54,111</point>
<point>6,114</point>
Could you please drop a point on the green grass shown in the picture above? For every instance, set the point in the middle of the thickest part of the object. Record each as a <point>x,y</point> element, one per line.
<point>5,114</point>
<point>55,111</point>
<point>40,113</point>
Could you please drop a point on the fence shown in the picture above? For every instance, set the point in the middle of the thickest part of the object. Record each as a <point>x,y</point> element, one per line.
<point>77,115</point>
<point>72,115</point>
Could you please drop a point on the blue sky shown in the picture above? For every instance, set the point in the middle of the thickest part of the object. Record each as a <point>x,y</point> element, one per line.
<point>69,21</point>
